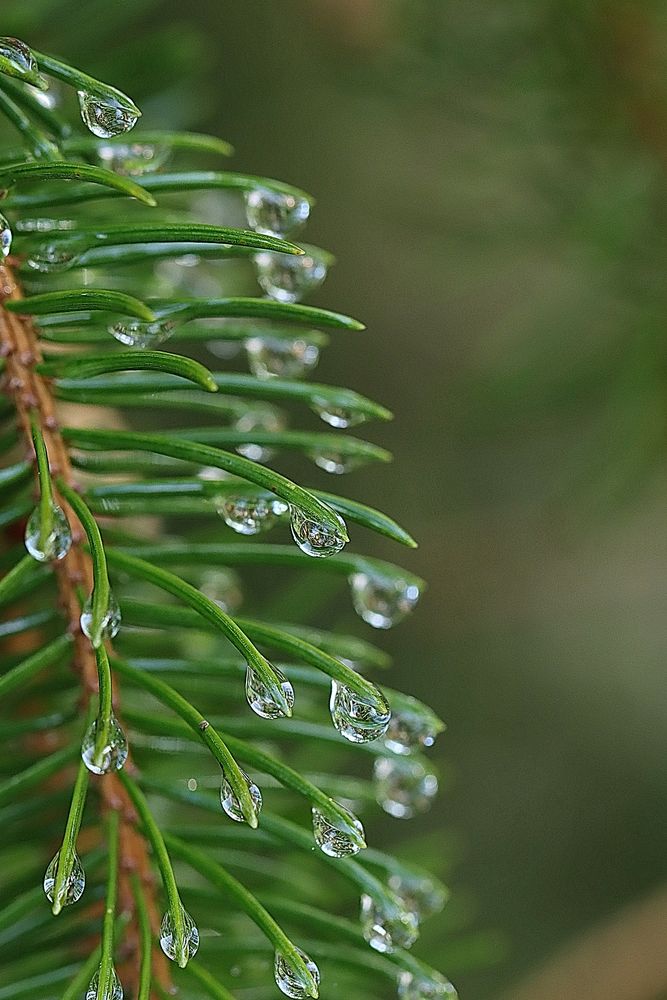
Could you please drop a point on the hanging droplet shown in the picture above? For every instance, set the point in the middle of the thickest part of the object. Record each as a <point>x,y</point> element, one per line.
<point>111,755</point>
<point>279,357</point>
<point>260,418</point>
<point>136,333</point>
<point>72,890</point>
<point>260,697</point>
<point>412,728</point>
<point>403,786</point>
<point>52,258</point>
<point>335,462</point>
<point>337,416</point>
<point>179,949</point>
<point>106,116</point>
<point>291,981</point>
<point>313,537</point>
<point>55,543</point>
<point>275,213</point>
<point>19,56</point>
<point>417,987</point>
<point>419,894</point>
<point>229,800</point>
<point>387,925</point>
<point>246,515</point>
<point>5,236</point>
<point>110,623</point>
<point>133,159</point>
<point>336,837</point>
<point>223,587</point>
<point>382,601</point>
<point>359,718</point>
<point>289,278</point>
<point>114,990</point>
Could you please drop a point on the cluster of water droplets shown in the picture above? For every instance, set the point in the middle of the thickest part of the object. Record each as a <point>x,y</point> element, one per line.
<point>266,419</point>
<point>313,537</point>
<point>106,115</point>
<point>404,786</point>
<point>113,990</point>
<point>138,333</point>
<point>180,948</point>
<point>109,626</point>
<point>53,541</point>
<point>230,801</point>
<point>287,277</point>
<point>74,885</point>
<point>382,600</point>
<point>359,718</point>
<point>338,836</point>
<point>291,980</point>
<point>109,755</point>
<point>263,697</point>
<point>387,925</point>
<point>275,213</point>
<point>249,515</point>
<point>280,357</point>
<point>133,159</point>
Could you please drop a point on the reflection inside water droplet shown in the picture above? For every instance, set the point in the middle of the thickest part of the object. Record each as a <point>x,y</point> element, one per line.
<point>46,542</point>
<point>262,699</point>
<point>75,882</point>
<point>179,947</point>
<point>108,753</point>
<point>5,236</point>
<point>135,333</point>
<point>230,802</point>
<point>387,926</point>
<point>19,56</point>
<point>110,623</point>
<point>133,159</point>
<point>382,601</point>
<point>246,515</point>
<point>359,718</point>
<point>313,537</point>
<point>335,837</point>
<point>105,116</point>
<point>114,990</point>
<point>291,980</point>
<point>403,786</point>
<point>275,213</point>
<point>288,278</point>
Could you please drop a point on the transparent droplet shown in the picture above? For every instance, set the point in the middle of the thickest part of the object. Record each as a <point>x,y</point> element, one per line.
<point>246,515</point>
<point>337,416</point>
<point>416,987</point>
<point>260,697</point>
<point>291,981</point>
<point>382,601</point>
<point>419,894</point>
<point>179,949</point>
<point>136,333</point>
<point>266,419</point>
<point>52,258</point>
<point>229,800</point>
<point>224,588</point>
<point>44,225</point>
<point>289,278</point>
<point>335,462</point>
<point>314,538</point>
<point>411,729</point>
<point>19,56</point>
<point>112,755</point>
<point>114,990</point>
<point>74,886</point>
<point>335,837</point>
<point>403,786</point>
<point>5,236</point>
<point>359,718</point>
<point>53,545</point>
<point>278,357</point>
<point>110,623</point>
<point>133,159</point>
<point>387,926</point>
<point>275,213</point>
<point>106,116</point>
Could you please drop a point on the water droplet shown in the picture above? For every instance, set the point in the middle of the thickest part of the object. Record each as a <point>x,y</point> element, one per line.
<point>313,537</point>
<point>382,601</point>
<point>52,258</point>
<point>246,515</point>
<point>291,981</point>
<point>106,116</point>
<point>53,545</point>
<point>261,698</point>
<point>419,894</point>
<point>288,278</point>
<point>19,56</point>
<point>435,987</point>
<point>275,213</point>
<point>335,837</point>
<point>403,786</point>
<point>335,462</point>
<point>111,755</point>
<point>223,587</point>
<point>359,718</point>
<point>5,236</point>
<point>260,418</point>
<point>110,622</point>
<point>114,990</point>
<point>135,333</point>
<point>229,800</point>
<point>179,948</point>
<point>387,925</point>
<point>279,357</point>
<point>412,728</point>
<point>337,416</point>
<point>133,159</point>
<point>74,885</point>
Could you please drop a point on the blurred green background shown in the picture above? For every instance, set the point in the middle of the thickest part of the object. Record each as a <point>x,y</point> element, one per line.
<point>492,179</point>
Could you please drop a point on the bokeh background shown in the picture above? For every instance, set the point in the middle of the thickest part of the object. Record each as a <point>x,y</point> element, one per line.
<point>492,178</point>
